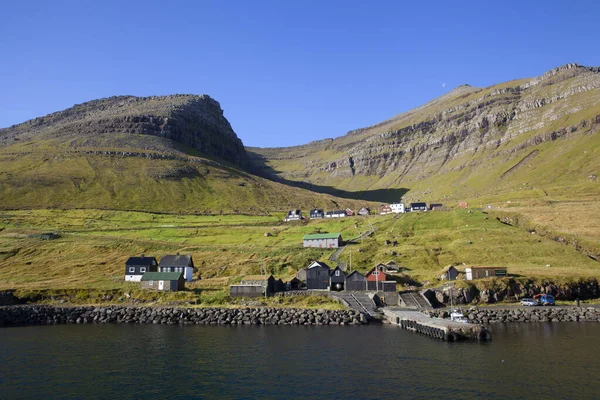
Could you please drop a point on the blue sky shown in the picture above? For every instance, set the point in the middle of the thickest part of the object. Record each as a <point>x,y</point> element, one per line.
<point>284,72</point>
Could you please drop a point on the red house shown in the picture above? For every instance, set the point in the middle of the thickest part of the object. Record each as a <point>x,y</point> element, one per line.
<point>376,274</point>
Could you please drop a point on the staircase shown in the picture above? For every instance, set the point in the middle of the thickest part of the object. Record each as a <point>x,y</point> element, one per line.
<point>414,300</point>
<point>360,302</point>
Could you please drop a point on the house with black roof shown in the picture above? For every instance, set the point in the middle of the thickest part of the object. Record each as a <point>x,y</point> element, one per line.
<point>316,213</point>
<point>355,281</point>
<point>317,276</point>
<point>177,263</point>
<point>294,215</point>
<point>418,207</point>
<point>135,267</point>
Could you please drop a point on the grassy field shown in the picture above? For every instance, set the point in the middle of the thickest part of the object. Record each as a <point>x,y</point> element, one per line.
<point>94,245</point>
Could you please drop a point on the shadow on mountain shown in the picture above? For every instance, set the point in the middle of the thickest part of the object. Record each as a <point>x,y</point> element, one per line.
<point>260,167</point>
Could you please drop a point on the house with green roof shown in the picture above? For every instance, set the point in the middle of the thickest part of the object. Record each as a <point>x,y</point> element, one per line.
<point>323,240</point>
<point>163,281</point>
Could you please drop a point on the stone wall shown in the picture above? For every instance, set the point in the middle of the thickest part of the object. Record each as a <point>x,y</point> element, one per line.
<point>50,315</point>
<point>531,314</point>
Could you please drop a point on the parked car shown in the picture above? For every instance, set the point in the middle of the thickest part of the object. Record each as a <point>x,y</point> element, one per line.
<point>529,302</point>
<point>544,299</point>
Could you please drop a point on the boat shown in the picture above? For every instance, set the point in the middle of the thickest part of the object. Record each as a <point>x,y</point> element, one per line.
<point>457,316</point>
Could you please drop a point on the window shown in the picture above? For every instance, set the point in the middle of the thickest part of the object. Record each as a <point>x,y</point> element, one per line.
<point>375,272</point>
<point>142,269</point>
<point>131,269</point>
<point>337,273</point>
<point>151,283</point>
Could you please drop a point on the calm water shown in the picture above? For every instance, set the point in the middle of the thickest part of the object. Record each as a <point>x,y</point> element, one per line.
<point>151,361</point>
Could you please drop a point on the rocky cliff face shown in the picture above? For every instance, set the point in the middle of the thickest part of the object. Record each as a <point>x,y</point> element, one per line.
<point>466,128</point>
<point>195,121</point>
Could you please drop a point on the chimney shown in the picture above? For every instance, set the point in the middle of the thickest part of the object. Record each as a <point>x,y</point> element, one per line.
<point>143,255</point>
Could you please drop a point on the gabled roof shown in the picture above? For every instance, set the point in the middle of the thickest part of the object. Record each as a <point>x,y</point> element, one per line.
<point>161,276</point>
<point>316,236</point>
<point>315,264</point>
<point>314,210</point>
<point>141,261</point>
<point>336,268</point>
<point>353,273</point>
<point>418,204</point>
<point>176,260</point>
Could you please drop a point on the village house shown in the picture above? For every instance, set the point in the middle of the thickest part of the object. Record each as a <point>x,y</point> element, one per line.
<point>485,272</point>
<point>293,215</point>
<point>418,207</point>
<point>385,209</point>
<point>177,263</point>
<point>323,240</point>
<point>364,211</point>
<point>449,274</point>
<point>355,281</point>
<point>163,281</point>
<point>463,204</point>
<point>375,278</point>
<point>436,207</point>
<point>135,267</point>
<point>349,212</point>
<point>316,213</point>
<point>335,214</point>
<point>317,276</point>
<point>337,279</point>
<point>397,208</point>
<point>294,284</point>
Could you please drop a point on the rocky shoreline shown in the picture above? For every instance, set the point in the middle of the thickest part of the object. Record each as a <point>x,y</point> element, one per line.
<point>25,315</point>
<point>532,314</point>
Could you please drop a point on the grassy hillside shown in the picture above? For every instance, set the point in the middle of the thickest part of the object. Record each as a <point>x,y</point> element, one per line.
<point>94,245</point>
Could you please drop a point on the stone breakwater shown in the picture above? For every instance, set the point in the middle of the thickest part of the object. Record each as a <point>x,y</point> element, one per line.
<point>532,314</point>
<point>51,315</point>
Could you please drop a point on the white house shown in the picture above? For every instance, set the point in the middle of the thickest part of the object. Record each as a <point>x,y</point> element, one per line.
<point>397,208</point>
<point>177,263</point>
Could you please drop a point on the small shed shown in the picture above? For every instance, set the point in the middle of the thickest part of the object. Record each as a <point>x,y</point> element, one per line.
<point>294,284</point>
<point>356,281</point>
<point>418,207</point>
<point>463,204</point>
<point>337,279</point>
<point>450,274</point>
<point>485,272</point>
<point>364,211</point>
<point>136,267</point>
<point>349,212</point>
<point>323,240</point>
<point>279,286</point>
<point>266,282</point>
<point>317,276</point>
<point>385,209</point>
<point>316,213</point>
<point>436,207</point>
<point>163,281</point>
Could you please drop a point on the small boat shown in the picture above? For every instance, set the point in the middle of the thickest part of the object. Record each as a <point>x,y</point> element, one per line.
<point>457,316</point>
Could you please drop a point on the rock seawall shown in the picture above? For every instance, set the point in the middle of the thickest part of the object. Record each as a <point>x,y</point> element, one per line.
<point>532,314</point>
<point>51,315</point>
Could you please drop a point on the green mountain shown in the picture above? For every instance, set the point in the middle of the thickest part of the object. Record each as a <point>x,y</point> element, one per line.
<point>524,139</point>
<point>162,153</point>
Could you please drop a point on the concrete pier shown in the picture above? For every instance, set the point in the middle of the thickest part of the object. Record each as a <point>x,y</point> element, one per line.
<point>438,328</point>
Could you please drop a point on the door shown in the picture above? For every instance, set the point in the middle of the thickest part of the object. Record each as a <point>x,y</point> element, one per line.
<point>161,285</point>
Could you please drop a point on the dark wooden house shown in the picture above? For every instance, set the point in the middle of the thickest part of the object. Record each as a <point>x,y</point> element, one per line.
<point>337,279</point>
<point>316,213</point>
<point>436,207</point>
<point>449,274</point>
<point>135,267</point>
<point>177,263</point>
<point>317,276</point>
<point>163,281</point>
<point>355,281</point>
